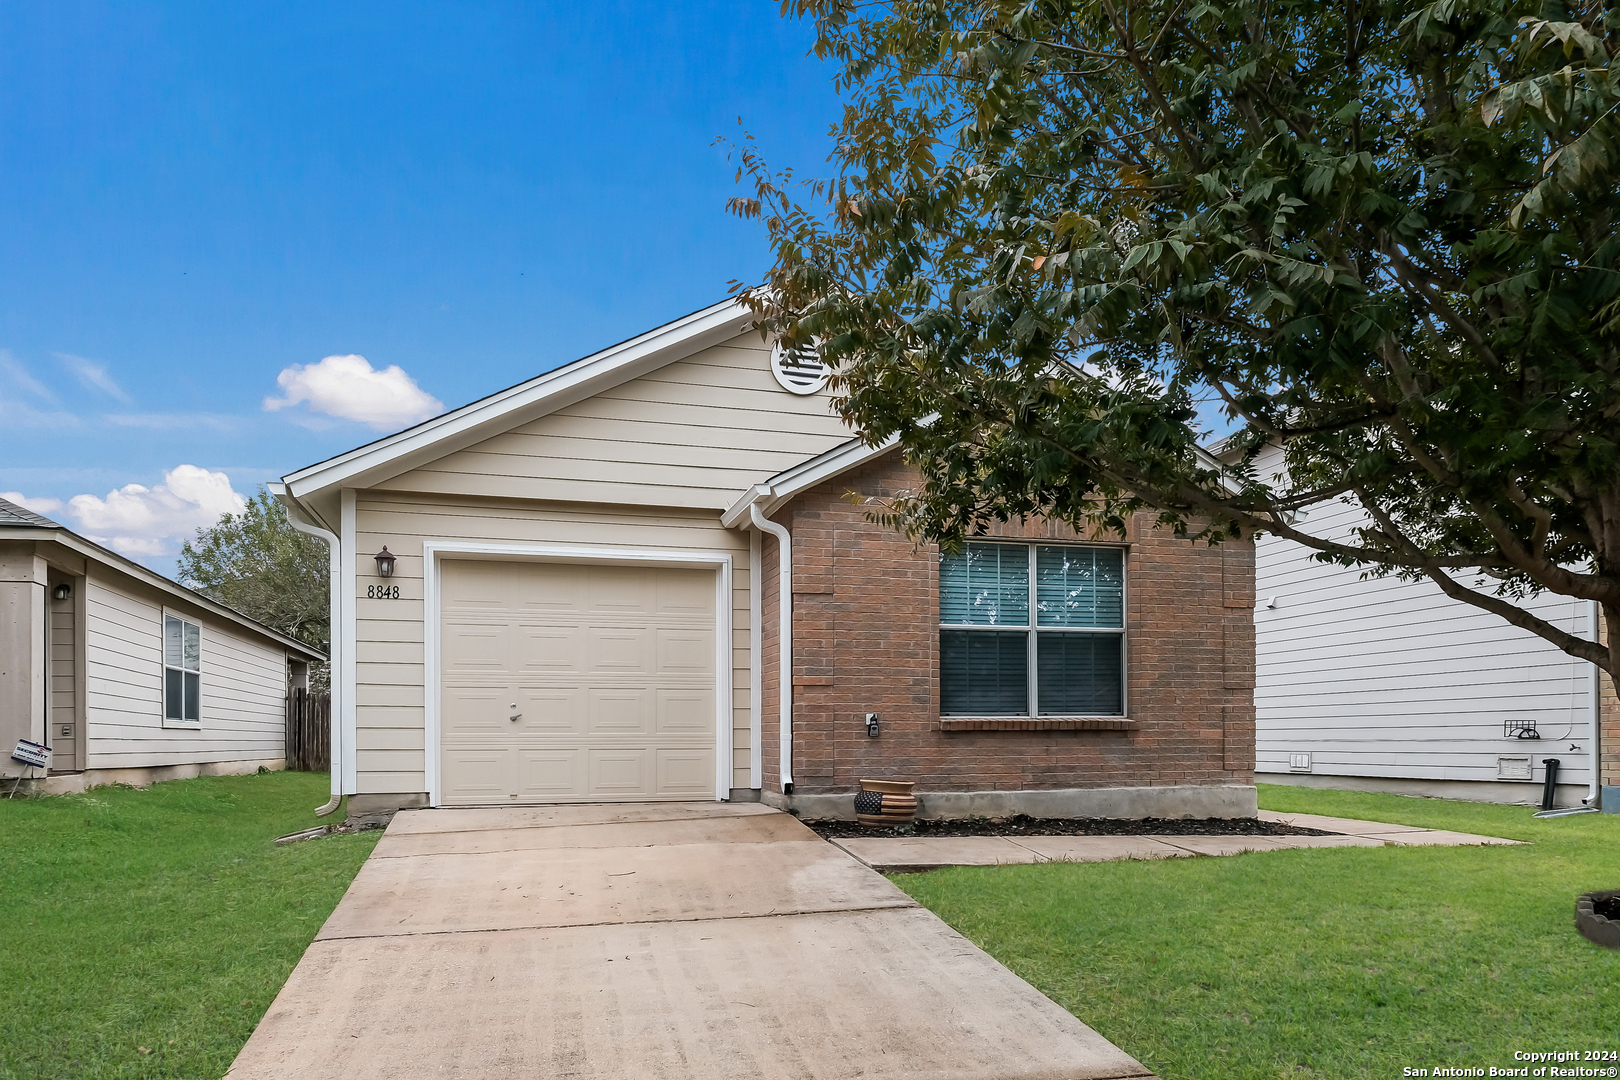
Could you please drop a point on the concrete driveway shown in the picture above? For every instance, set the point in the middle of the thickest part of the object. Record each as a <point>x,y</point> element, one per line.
<point>669,941</point>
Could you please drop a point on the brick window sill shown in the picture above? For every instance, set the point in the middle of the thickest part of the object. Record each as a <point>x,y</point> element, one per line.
<point>1037,723</point>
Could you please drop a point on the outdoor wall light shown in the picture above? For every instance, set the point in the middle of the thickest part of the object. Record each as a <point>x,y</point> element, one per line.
<point>62,591</point>
<point>385,562</point>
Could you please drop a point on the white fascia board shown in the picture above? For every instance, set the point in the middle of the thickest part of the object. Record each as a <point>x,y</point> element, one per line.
<point>433,439</point>
<point>775,492</point>
<point>97,553</point>
<point>779,489</point>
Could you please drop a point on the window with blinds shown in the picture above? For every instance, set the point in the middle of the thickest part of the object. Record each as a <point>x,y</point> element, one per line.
<point>994,660</point>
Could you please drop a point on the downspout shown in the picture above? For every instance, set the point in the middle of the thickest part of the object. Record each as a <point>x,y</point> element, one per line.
<point>756,681</point>
<point>335,659</point>
<point>784,607</point>
<point>1595,762</point>
<point>1589,805</point>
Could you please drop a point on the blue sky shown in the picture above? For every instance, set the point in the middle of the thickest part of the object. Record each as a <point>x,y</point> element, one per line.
<point>202,203</point>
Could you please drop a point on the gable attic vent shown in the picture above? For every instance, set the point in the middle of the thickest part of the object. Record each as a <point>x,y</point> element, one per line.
<point>799,370</point>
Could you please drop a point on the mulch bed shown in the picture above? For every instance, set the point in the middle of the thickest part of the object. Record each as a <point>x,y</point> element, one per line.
<point>1028,826</point>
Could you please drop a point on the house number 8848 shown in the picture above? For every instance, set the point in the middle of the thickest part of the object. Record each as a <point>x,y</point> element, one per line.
<point>382,592</point>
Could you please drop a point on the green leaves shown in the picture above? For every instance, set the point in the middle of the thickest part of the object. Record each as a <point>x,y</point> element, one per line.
<point>1067,242</point>
<point>258,564</point>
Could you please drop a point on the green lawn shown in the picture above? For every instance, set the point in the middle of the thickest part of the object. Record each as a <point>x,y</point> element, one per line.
<point>162,918</point>
<point>1340,963</point>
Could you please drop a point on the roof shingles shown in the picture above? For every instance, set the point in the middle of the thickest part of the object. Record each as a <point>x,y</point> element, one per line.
<point>12,514</point>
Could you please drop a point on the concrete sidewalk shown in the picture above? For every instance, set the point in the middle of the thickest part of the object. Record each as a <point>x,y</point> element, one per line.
<point>913,854</point>
<point>674,940</point>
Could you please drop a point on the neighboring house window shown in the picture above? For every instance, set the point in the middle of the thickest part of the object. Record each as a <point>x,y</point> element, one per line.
<point>182,670</point>
<point>993,661</point>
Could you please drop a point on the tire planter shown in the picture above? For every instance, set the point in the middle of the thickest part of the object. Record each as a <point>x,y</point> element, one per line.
<point>1597,917</point>
<point>885,803</point>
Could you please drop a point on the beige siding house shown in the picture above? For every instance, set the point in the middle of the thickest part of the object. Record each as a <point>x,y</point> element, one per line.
<point>574,610</point>
<point>125,675</point>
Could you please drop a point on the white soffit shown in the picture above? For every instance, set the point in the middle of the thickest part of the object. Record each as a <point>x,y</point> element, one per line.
<point>470,424</point>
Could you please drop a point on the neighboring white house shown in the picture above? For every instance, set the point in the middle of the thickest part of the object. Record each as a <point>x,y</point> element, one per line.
<point>125,675</point>
<point>1387,685</point>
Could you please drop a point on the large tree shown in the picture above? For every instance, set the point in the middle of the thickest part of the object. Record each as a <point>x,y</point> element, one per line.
<point>1379,236</point>
<point>258,564</point>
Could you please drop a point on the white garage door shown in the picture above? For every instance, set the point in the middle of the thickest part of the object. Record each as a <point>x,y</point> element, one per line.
<point>563,682</point>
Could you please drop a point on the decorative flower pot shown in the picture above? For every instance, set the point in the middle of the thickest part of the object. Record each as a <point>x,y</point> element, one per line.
<point>1597,917</point>
<point>882,803</point>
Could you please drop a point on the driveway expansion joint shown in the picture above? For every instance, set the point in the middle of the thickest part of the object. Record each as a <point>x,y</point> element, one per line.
<point>619,922</point>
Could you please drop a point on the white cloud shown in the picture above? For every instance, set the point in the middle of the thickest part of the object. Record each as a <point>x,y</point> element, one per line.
<point>174,421</point>
<point>38,506</point>
<point>348,388</point>
<point>17,414</point>
<point>138,520</point>
<point>93,375</point>
<point>23,378</point>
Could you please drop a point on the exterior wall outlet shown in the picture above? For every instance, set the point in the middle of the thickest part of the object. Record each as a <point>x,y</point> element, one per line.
<point>1299,762</point>
<point>871,725</point>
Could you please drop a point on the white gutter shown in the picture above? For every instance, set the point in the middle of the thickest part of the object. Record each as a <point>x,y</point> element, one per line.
<point>784,607</point>
<point>295,517</point>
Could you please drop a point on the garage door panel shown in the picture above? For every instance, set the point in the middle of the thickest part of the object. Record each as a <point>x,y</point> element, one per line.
<point>685,712</point>
<point>551,774</point>
<point>685,652</point>
<point>621,593</point>
<point>475,646</point>
<point>621,772</point>
<point>479,776</point>
<point>626,650</point>
<point>565,592</point>
<point>552,710</point>
<point>554,649</point>
<point>475,709</point>
<point>684,772</point>
<point>688,592</point>
<point>621,711</point>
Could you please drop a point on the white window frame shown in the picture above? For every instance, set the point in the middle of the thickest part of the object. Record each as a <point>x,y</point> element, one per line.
<point>164,669</point>
<point>1032,631</point>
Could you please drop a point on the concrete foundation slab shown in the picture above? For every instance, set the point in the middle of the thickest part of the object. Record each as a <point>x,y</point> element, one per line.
<point>435,894</point>
<point>911,854</point>
<point>1221,845</point>
<point>740,829</point>
<point>1347,826</point>
<point>1291,842</point>
<point>476,818</point>
<point>1098,848</point>
<point>860,995</point>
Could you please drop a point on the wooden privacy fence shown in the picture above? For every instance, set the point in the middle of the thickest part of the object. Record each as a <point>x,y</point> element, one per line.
<point>309,731</point>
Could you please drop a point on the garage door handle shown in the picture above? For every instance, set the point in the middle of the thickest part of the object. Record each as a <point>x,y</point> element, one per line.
<point>515,715</point>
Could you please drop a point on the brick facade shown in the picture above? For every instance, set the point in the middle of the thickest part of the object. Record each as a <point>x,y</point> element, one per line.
<point>866,637</point>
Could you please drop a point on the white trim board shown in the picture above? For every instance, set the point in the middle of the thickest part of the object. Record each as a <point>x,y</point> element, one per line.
<point>720,561</point>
